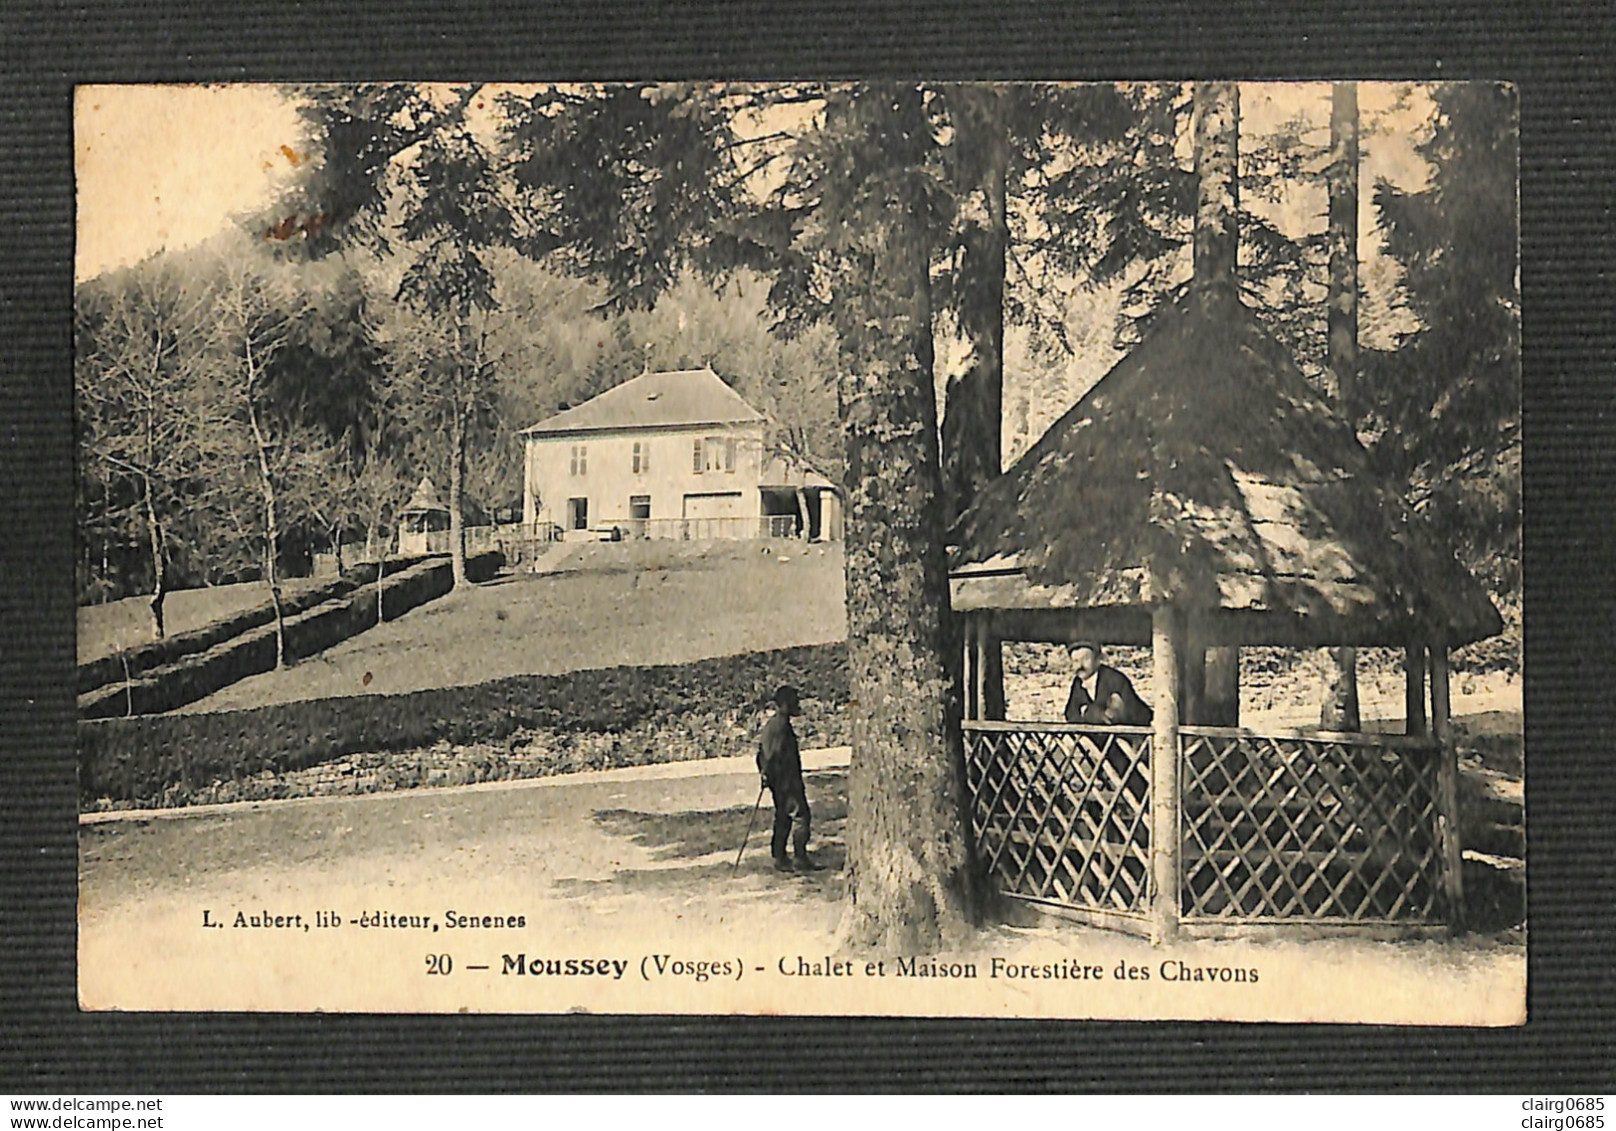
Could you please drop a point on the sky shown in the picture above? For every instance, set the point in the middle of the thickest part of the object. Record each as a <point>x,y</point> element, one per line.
<point>167,166</point>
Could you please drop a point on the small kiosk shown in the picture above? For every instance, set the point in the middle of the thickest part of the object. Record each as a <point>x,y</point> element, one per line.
<point>424,522</point>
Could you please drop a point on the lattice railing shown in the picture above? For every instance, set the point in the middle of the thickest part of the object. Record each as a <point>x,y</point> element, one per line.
<point>1062,813</point>
<point>1312,827</point>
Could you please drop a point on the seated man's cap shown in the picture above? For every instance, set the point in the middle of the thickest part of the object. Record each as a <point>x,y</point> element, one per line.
<point>1089,644</point>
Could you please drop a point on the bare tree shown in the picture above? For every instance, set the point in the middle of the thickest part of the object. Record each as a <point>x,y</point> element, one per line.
<point>378,490</point>
<point>252,318</point>
<point>443,383</point>
<point>139,408</point>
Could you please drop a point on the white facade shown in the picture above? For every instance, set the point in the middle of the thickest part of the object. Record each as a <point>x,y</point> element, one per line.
<point>669,455</point>
<point>640,479</point>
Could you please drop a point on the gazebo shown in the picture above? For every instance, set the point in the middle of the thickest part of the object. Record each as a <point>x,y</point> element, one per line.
<point>422,517</point>
<point>1201,497</point>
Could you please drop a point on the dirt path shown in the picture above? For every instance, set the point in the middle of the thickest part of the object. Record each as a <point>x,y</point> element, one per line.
<point>626,866</point>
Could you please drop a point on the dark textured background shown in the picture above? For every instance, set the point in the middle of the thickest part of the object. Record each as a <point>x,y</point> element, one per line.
<point>1560,55</point>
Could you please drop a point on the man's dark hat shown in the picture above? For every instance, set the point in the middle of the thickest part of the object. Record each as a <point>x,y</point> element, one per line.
<point>784,694</point>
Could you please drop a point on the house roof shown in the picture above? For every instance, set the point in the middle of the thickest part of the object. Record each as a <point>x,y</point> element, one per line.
<point>655,400</point>
<point>425,498</point>
<point>1203,470</point>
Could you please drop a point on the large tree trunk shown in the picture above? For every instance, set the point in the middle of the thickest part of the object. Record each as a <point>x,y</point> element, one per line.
<point>457,480</point>
<point>973,408</point>
<point>1217,258</point>
<point>912,879</point>
<point>1343,238</point>
<point>1339,702</point>
<point>1217,165</point>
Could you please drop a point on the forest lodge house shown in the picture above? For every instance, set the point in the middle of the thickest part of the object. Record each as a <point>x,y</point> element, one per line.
<point>670,455</point>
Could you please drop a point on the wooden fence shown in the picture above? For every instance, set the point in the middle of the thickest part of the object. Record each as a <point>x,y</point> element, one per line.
<point>523,543</point>
<point>698,529</point>
<point>1333,830</point>
<point>480,538</point>
<point>1061,815</point>
<point>1337,827</point>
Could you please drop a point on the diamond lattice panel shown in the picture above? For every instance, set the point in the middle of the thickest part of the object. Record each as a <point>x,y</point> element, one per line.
<point>1301,828</point>
<point>1064,814</point>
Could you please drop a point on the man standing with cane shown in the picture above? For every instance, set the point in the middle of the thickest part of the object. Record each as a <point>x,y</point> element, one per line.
<point>780,764</point>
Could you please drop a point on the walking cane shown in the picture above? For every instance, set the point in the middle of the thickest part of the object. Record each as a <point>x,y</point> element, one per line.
<point>750,821</point>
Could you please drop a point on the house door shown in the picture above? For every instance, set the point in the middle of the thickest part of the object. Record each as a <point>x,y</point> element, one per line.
<point>578,514</point>
<point>639,515</point>
<point>720,514</point>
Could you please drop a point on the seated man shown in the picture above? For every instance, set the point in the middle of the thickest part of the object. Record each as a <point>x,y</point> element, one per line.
<point>1100,693</point>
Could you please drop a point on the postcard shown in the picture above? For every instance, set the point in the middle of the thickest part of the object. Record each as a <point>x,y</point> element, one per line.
<point>878,548</point>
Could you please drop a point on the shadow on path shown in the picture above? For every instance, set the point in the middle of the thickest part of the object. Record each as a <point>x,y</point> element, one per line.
<point>697,835</point>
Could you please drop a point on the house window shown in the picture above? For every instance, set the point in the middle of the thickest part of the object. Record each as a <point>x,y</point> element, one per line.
<point>695,458</point>
<point>578,514</point>
<point>642,457</point>
<point>580,459</point>
<point>720,453</point>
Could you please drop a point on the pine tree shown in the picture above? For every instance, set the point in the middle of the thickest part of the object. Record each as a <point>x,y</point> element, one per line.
<point>1445,403</point>
<point>877,203</point>
<point>1339,704</point>
<point>402,172</point>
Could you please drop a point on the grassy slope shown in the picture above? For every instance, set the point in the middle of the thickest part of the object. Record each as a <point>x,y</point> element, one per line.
<point>598,606</point>
<point>105,629</point>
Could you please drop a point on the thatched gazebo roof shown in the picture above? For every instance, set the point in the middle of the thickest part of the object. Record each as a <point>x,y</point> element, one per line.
<point>425,499</point>
<point>1204,472</point>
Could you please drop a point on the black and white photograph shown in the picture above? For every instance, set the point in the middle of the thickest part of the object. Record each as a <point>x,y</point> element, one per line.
<point>898,548</point>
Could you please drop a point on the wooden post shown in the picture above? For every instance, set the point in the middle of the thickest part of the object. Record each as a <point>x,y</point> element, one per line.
<point>1440,705</point>
<point>1414,689</point>
<point>1447,786</point>
<point>1192,678</point>
<point>1166,639</point>
<point>973,705</point>
<point>993,701</point>
<point>1221,701</point>
<point>979,692</point>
